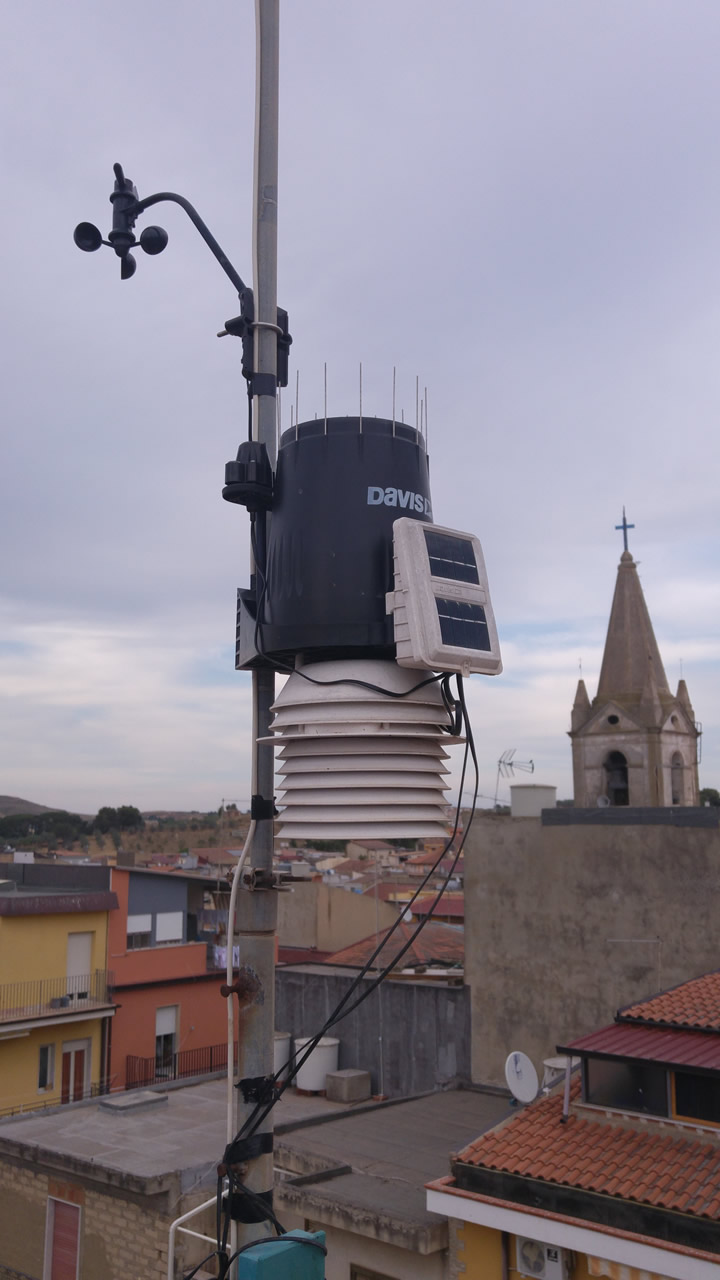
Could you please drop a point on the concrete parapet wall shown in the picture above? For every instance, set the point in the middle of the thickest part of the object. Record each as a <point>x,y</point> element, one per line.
<point>564,924</point>
<point>425,1027</point>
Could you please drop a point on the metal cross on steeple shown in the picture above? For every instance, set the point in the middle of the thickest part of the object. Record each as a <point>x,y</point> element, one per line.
<point>624,526</point>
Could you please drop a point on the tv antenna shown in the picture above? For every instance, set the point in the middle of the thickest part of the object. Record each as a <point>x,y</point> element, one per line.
<point>506,766</point>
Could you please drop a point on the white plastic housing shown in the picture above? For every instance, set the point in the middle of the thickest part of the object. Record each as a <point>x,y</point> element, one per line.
<point>357,763</point>
<point>441,605</point>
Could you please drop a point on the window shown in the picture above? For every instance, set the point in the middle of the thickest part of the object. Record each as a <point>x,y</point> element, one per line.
<point>626,1086</point>
<point>139,932</point>
<point>166,1019</point>
<point>169,926</point>
<point>46,1066</point>
<point>137,940</point>
<point>362,1273</point>
<point>697,1097</point>
<point>62,1241</point>
<point>79,965</point>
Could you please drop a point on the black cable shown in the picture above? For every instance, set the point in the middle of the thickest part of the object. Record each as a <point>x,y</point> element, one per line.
<point>338,1017</point>
<point>314,1244</point>
<point>261,1204</point>
<point>259,1114</point>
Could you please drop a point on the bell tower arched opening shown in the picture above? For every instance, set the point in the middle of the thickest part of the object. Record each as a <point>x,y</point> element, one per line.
<point>616,775</point>
<point>677,779</point>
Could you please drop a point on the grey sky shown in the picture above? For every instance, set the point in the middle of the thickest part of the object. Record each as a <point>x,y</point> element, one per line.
<point>516,201</point>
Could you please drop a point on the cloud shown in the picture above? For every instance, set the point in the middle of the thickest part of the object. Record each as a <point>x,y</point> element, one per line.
<point>511,202</point>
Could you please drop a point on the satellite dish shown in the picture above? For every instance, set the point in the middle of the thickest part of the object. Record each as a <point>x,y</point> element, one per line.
<point>521,1077</point>
<point>603,802</point>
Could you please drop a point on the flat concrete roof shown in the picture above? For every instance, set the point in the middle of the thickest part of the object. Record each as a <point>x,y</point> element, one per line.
<point>388,1151</point>
<point>391,1151</point>
<point>184,1135</point>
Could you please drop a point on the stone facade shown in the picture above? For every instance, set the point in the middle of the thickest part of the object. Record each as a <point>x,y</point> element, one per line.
<point>123,1233</point>
<point>565,924</point>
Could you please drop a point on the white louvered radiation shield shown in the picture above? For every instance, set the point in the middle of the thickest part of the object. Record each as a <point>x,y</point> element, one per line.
<point>356,763</point>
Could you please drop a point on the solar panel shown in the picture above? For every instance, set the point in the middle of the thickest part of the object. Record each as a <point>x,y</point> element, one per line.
<point>443,616</point>
<point>463,624</point>
<point>451,557</point>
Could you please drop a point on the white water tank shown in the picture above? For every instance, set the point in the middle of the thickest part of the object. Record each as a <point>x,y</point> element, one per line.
<point>324,1058</point>
<point>281,1054</point>
<point>527,800</point>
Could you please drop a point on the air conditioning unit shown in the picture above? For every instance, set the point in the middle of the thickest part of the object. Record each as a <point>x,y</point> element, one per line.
<point>542,1261</point>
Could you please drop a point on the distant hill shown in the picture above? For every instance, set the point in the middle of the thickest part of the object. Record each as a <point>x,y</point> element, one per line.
<point>11,805</point>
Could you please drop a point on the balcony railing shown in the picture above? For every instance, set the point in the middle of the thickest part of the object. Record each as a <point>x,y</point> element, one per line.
<point>141,1072</point>
<point>97,1090</point>
<point>47,996</point>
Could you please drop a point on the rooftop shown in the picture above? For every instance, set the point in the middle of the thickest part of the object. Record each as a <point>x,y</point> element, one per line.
<point>436,943</point>
<point>184,1134</point>
<point>691,1004</point>
<point>388,1153</point>
<point>667,1046</point>
<point>650,1164</point>
<point>363,1166</point>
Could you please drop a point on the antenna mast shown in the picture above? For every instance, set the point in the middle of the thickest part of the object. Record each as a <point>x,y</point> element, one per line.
<point>506,766</point>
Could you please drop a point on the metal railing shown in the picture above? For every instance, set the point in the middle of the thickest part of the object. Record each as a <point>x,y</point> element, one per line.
<point>141,1072</point>
<point>97,1090</point>
<point>46,996</point>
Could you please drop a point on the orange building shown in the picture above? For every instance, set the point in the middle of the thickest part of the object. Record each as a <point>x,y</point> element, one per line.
<point>165,950</point>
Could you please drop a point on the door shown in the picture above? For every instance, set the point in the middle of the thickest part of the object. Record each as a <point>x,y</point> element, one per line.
<point>79,960</point>
<point>75,1070</point>
<point>62,1241</point>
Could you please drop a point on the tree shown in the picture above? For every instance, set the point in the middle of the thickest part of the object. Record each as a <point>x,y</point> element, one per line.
<point>128,817</point>
<point>123,819</point>
<point>105,820</point>
<point>709,795</point>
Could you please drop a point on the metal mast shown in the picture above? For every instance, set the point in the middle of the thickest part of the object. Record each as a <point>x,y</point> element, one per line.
<point>257,902</point>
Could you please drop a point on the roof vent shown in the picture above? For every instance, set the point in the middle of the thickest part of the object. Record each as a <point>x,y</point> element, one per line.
<point>135,1100</point>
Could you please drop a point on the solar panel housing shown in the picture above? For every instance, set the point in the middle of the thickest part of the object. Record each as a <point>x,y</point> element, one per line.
<point>442,614</point>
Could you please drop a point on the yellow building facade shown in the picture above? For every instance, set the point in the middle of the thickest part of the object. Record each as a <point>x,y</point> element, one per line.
<point>55,1001</point>
<point>484,1253</point>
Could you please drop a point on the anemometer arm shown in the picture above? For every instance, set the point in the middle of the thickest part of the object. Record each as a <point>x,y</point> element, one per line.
<point>198,223</point>
<point>126,209</point>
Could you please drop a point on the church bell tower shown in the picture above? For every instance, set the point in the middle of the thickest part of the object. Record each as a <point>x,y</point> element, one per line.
<point>636,742</point>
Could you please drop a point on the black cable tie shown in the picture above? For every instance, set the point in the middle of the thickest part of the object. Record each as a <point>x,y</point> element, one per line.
<point>255,1208</point>
<point>240,1150</point>
<point>261,1089</point>
<point>263,384</point>
<point>262,809</point>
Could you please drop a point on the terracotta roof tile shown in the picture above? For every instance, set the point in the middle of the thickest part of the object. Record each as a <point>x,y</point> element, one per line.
<point>437,943</point>
<point>678,1173</point>
<point>692,1004</point>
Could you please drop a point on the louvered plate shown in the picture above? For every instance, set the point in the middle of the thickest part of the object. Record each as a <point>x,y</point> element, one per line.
<point>417,748</point>
<point>384,797</point>
<point>350,713</point>
<point>352,830</point>
<point>353,776</point>
<point>322,765</point>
